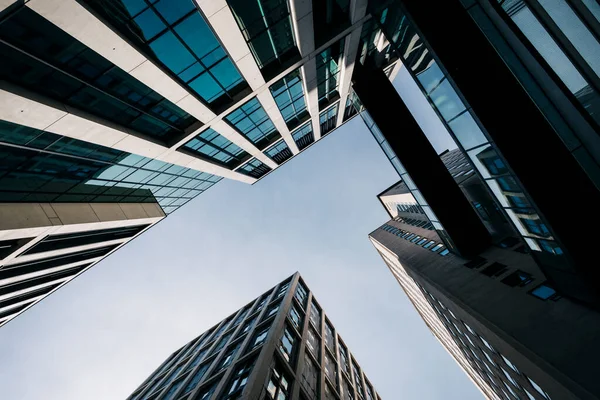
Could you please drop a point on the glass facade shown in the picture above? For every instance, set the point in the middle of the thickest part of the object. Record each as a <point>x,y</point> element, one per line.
<point>288,93</point>
<point>39,56</point>
<point>212,146</point>
<point>330,17</point>
<point>233,372</point>
<point>328,73</point>
<point>267,28</point>
<point>174,34</point>
<point>279,152</point>
<point>304,136</point>
<point>252,121</point>
<point>558,33</point>
<point>254,168</point>
<point>462,125</point>
<point>328,119</point>
<point>38,166</point>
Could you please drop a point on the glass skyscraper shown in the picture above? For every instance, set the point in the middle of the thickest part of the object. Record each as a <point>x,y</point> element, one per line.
<point>280,346</point>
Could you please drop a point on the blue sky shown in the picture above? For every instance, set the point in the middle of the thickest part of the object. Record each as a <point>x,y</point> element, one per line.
<point>105,332</point>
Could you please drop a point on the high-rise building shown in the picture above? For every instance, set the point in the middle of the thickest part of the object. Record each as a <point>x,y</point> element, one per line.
<point>280,346</point>
<point>115,113</point>
<point>491,263</point>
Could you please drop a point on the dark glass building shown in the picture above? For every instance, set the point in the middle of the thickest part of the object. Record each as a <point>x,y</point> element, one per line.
<point>280,346</point>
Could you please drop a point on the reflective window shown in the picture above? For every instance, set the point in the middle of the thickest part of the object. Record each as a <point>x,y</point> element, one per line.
<point>254,168</point>
<point>558,56</point>
<point>288,93</point>
<point>259,337</point>
<point>329,337</point>
<point>545,292</point>
<point>310,376</point>
<point>174,34</point>
<point>214,147</point>
<point>518,278</point>
<point>272,311</point>
<point>287,345</point>
<point>328,73</point>
<point>296,318</point>
<point>330,18</point>
<point>330,368</point>
<point>79,77</point>
<point>238,381</point>
<point>313,343</point>
<point>279,152</point>
<point>267,27</point>
<point>357,379</point>
<point>278,387</point>
<point>198,375</point>
<point>47,171</point>
<point>347,392</point>
<point>303,136</point>
<point>229,356</point>
<point>301,294</point>
<point>315,316</point>
<point>328,119</point>
<point>252,121</point>
<point>344,359</point>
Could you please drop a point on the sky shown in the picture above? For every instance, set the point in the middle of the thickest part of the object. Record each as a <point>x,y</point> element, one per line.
<point>101,335</point>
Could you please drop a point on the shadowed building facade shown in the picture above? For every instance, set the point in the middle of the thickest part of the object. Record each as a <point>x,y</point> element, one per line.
<point>280,346</point>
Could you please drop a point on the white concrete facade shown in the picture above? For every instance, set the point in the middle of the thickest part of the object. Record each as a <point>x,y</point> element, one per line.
<point>33,222</point>
<point>20,106</point>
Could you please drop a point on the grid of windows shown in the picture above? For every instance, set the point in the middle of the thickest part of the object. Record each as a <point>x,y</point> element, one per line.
<point>212,146</point>
<point>252,121</point>
<point>38,166</point>
<point>279,152</point>
<point>267,28</point>
<point>254,168</point>
<point>494,368</point>
<point>288,93</point>
<point>41,57</point>
<point>193,373</point>
<point>328,119</point>
<point>328,73</point>
<point>431,245</point>
<point>462,125</point>
<point>303,136</point>
<point>174,33</point>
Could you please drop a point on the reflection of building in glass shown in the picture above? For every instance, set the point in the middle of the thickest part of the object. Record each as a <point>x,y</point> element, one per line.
<point>279,346</point>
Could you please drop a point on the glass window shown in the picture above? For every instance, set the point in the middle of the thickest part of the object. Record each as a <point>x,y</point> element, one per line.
<point>238,381</point>
<point>347,392</point>
<point>310,377</point>
<point>287,345</point>
<point>328,119</point>
<point>303,136</point>
<point>278,387</point>
<point>198,375</point>
<point>279,152</point>
<point>330,368</point>
<point>259,337</point>
<point>344,359</point>
<point>315,316</point>
<point>467,131</point>
<point>247,326</point>
<point>212,146</point>
<point>254,168</point>
<point>313,343</point>
<point>446,100</point>
<point>288,93</point>
<point>301,294</point>
<point>174,34</point>
<point>329,337</point>
<point>545,292</point>
<point>252,121</point>
<point>518,278</point>
<point>267,27</point>
<point>296,318</point>
<point>272,310</point>
<point>328,72</point>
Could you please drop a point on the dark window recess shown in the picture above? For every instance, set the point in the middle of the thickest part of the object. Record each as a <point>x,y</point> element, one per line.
<point>41,280</point>
<point>509,242</point>
<point>522,249</point>
<point>518,278</point>
<point>59,242</point>
<point>40,265</point>
<point>496,269</point>
<point>476,262</point>
<point>7,247</point>
<point>13,311</point>
<point>27,296</point>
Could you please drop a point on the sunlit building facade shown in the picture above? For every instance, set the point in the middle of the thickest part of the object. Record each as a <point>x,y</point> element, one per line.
<point>280,346</point>
<point>490,262</point>
<point>137,107</point>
